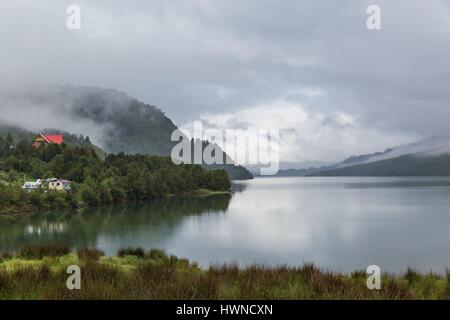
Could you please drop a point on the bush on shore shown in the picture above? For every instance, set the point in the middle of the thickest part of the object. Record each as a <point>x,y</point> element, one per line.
<point>39,252</point>
<point>86,254</point>
<point>137,252</point>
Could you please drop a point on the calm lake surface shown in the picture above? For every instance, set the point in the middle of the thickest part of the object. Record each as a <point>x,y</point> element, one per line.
<point>341,224</point>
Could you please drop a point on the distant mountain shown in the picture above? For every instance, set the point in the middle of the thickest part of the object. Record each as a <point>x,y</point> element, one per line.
<point>121,123</point>
<point>299,172</point>
<point>407,165</point>
<point>287,169</point>
<point>354,160</point>
<point>312,170</point>
<point>428,157</point>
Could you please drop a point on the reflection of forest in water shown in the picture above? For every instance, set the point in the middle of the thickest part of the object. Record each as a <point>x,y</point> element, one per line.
<point>239,186</point>
<point>153,219</point>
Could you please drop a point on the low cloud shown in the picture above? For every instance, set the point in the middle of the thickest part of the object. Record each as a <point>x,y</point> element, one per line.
<point>35,108</point>
<point>225,58</point>
<point>308,136</point>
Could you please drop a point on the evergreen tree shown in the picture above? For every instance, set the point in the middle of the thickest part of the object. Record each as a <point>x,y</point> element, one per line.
<point>9,140</point>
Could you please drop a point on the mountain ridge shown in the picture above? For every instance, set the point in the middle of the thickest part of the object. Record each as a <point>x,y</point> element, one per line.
<point>427,157</point>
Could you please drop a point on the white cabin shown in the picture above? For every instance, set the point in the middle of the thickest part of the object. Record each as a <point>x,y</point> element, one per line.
<point>32,185</point>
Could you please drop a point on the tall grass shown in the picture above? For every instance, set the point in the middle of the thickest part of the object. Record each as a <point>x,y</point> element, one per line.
<point>155,275</point>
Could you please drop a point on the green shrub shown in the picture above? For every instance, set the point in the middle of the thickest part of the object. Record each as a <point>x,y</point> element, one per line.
<point>40,251</point>
<point>157,254</point>
<point>137,252</point>
<point>5,256</point>
<point>87,254</point>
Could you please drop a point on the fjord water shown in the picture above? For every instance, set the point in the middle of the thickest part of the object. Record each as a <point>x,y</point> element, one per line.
<point>342,224</point>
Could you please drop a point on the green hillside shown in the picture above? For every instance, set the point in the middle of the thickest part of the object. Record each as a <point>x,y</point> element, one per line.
<point>135,127</point>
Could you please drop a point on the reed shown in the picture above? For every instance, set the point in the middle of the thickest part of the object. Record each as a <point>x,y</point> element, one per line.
<point>39,272</point>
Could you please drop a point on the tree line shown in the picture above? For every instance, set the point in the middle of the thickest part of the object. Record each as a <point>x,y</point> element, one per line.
<point>96,179</point>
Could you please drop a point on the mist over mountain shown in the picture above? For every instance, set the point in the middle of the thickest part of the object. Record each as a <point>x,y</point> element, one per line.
<point>407,165</point>
<point>117,123</point>
<point>431,146</point>
<point>428,157</point>
<point>113,120</point>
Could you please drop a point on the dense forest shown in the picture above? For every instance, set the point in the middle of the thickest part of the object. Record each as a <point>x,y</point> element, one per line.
<point>95,180</point>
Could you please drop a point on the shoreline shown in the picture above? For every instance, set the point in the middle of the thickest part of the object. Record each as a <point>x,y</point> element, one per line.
<point>10,215</point>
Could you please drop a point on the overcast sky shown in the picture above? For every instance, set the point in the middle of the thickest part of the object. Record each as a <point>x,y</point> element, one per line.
<point>309,68</point>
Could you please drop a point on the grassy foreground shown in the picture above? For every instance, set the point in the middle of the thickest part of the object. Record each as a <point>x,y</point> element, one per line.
<point>40,273</point>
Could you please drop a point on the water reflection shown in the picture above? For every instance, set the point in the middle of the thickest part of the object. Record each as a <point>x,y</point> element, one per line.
<point>239,186</point>
<point>342,224</point>
<point>158,219</point>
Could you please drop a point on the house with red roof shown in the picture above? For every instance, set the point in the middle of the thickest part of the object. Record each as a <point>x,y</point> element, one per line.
<point>44,139</point>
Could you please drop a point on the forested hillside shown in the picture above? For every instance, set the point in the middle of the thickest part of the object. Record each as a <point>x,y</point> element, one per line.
<point>116,179</point>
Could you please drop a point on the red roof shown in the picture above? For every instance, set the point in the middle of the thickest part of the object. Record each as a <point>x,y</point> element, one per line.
<point>54,138</point>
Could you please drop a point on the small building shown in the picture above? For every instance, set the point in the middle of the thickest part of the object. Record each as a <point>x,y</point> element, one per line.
<point>32,185</point>
<point>44,139</point>
<point>59,185</point>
